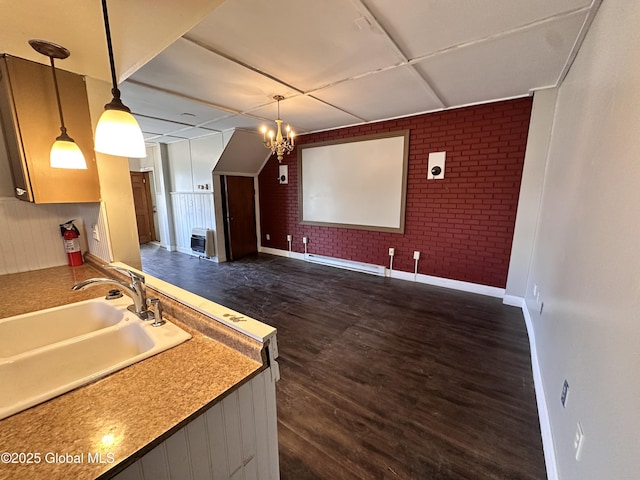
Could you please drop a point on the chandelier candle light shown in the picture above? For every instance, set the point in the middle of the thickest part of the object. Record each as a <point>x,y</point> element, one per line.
<point>278,144</point>
<point>65,153</point>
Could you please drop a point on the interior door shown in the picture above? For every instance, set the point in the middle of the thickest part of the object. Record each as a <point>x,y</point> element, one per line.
<point>143,206</point>
<point>240,224</point>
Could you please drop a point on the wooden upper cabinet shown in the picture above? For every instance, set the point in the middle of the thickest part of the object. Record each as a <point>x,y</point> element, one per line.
<point>31,123</point>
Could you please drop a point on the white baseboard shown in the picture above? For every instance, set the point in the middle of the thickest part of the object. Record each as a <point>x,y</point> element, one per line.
<point>420,278</point>
<point>281,253</point>
<point>448,283</point>
<point>541,398</point>
<point>513,301</point>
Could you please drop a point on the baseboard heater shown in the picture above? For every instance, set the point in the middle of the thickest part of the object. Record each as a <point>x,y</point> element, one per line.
<point>346,264</point>
<point>202,242</point>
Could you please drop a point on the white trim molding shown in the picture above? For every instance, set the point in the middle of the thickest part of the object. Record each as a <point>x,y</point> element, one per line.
<point>381,270</point>
<point>541,398</point>
<point>281,253</point>
<point>448,283</point>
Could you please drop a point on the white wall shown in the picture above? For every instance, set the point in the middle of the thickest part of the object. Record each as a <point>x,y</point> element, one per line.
<point>192,161</point>
<point>190,165</point>
<point>535,162</point>
<point>586,259</point>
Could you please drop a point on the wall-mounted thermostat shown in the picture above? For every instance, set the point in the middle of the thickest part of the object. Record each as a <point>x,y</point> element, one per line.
<point>283,174</point>
<point>436,165</point>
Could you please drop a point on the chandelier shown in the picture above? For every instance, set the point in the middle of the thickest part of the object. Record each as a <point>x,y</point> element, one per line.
<point>278,143</point>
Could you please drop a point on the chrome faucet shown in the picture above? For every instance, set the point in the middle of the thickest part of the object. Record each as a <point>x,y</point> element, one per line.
<point>136,290</point>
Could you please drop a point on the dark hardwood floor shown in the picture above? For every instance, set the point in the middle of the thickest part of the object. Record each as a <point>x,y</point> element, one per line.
<point>382,378</point>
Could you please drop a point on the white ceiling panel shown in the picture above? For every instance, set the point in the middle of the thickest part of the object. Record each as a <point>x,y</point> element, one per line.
<point>235,121</point>
<point>164,139</point>
<point>158,126</point>
<point>509,66</point>
<point>421,27</point>
<point>156,103</point>
<point>191,70</point>
<point>391,93</point>
<point>304,113</point>
<point>307,43</point>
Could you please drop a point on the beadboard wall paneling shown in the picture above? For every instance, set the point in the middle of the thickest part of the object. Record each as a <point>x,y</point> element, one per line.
<point>191,210</point>
<point>235,439</point>
<point>30,234</point>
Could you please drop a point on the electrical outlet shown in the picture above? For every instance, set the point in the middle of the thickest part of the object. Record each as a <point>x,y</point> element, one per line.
<point>288,238</point>
<point>305,240</point>
<point>578,441</point>
<point>416,255</point>
<point>392,252</point>
<point>95,233</point>
<point>268,237</point>
<point>565,393</point>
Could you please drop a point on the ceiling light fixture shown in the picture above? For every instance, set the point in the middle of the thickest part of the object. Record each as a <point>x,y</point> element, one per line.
<point>118,132</point>
<point>277,143</point>
<point>65,153</point>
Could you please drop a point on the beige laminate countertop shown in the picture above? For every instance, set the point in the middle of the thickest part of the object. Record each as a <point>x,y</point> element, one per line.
<point>125,414</point>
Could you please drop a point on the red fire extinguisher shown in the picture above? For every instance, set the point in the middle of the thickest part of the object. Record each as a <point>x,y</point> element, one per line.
<point>70,234</point>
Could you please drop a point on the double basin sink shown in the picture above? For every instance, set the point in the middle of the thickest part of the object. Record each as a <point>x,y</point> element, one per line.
<point>50,352</point>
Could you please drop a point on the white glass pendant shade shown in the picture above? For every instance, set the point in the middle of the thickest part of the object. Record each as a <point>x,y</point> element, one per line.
<point>67,154</point>
<point>118,133</point>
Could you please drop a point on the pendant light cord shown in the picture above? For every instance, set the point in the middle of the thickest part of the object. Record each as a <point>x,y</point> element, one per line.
<point>116,103</point>
<point>63,129</point>
<point>107,30</point>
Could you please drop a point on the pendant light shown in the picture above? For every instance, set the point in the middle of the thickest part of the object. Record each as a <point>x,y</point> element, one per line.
<point>118,132</point>
<point>65,153</point>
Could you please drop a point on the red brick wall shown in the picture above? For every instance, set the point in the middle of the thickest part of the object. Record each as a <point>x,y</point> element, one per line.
<point>462,225</point>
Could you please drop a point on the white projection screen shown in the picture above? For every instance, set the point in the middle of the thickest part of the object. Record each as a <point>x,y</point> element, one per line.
<point>358,182</point>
